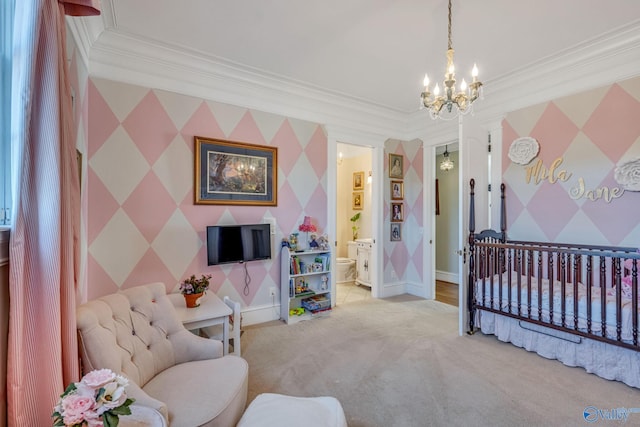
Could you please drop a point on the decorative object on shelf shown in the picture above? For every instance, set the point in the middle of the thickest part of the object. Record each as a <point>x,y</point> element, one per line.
<point>396,232</point>
<point>193,289</point>
<point>358,180</point>
<point>354,228</point>
<point>323,242</point>
<point>293,241</point>
<point>447,163</point>
<point>627,174</point>
<point>397,190</point>
<point>396,166</point>
<point>235,173</point>
<point>97,400</point>
<point>523,150</point>
<point>306,227</point>
<point>325,283</point>
<point>313,241</point>
<point>357,199</point>
<point>462,99</point>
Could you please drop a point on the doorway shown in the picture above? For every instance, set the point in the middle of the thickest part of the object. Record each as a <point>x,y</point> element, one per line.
<point>446,233</point>
<point>354,222</point>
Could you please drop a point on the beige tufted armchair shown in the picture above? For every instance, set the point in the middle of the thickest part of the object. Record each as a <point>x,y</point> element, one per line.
<point>136,333</point>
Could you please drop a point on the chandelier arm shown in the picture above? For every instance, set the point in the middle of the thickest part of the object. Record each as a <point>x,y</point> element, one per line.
<point>449,45</point>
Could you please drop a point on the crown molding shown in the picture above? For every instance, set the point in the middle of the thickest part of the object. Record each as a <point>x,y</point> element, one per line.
<point>115,55</point>
<point>123,57</point>
<point>610,58</point>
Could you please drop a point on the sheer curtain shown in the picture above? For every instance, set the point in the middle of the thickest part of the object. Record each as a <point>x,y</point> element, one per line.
<point>42,345</point>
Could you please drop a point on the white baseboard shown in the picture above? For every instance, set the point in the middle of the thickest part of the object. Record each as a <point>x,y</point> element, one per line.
<point>447,276</point>
<point>419,290</point>
<point>392,289</point>
<point>260,314</point>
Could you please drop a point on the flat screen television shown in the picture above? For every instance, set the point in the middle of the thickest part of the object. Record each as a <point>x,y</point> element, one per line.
<point>238,243</point>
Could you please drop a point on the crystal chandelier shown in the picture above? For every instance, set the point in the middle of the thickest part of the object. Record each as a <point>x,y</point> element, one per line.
<point>447,163</point>
<point>462,99</point>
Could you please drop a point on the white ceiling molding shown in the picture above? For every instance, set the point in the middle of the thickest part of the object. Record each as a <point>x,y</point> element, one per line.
<point>118,56</point>
<point>121,57</point>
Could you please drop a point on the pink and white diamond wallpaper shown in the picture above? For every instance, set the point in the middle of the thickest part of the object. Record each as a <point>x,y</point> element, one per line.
<point>142,223</point>
<point>578,200</point>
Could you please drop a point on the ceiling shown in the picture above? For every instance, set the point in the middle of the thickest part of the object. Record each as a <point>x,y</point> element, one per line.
<point>376,51</point>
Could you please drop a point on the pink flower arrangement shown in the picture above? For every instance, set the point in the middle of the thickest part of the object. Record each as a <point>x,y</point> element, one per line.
<point>306,225</point>
<point>96,401</point>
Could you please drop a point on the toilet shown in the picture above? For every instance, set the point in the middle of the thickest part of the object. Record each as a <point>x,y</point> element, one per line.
<point>346,267</point>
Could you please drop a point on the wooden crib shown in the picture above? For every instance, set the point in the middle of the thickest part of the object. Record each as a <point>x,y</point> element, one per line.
<point>572,302</point>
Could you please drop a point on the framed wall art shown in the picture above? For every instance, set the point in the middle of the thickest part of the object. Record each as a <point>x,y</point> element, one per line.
<point>235,173</point>
<point>397,190</point>
<point>357,199</point>
<point>396,166</point>
<point>358,180</point>
<point>396,232</point>
<point>397,214</point>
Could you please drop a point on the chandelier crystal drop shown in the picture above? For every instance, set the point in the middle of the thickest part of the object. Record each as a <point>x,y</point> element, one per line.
<point>460,99</point>
<point>447,163</point>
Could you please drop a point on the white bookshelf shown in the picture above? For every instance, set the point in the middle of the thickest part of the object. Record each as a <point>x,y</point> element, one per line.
<point>305,284</point>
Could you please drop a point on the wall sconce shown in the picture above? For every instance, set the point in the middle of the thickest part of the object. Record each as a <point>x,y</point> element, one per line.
<point>340,158</point>
<point>369,178</point>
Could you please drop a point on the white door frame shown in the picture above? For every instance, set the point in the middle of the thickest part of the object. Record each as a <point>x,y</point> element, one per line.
<point>337,135</point>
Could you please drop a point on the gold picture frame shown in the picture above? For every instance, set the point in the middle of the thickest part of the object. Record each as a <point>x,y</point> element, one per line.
<point>358,180</point>
<point>396,166</point>
<point>235,173</point>
<point>397,190</point>
<point>397,212</point>
<point>395,234</point>
<point>357,200</point>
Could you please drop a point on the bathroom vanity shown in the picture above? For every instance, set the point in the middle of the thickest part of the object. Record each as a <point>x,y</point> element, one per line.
<point>363,275</point>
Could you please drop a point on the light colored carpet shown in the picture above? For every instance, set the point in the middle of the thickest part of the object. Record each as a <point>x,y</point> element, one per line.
<point>400,362</point>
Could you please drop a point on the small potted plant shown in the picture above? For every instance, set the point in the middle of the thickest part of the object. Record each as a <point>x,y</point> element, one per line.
<point>354,228</point>
<point>193,288</point>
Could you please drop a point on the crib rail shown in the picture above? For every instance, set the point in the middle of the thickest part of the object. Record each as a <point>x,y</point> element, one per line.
<point>512,278</point>
<point>586,290</point>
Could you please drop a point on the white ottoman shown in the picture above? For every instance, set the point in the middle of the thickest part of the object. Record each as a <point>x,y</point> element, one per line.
<point>276,410</point>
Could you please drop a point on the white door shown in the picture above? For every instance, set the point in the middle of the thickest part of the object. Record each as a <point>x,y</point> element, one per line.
<point>473,159</point>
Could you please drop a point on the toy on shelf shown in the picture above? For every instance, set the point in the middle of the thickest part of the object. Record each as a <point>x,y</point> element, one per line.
<point>299,311</point>
<point>293,241</point>
<point>323,242</point>
<point>302,287</point>
<point>325,283</point>
<point>313,244</point>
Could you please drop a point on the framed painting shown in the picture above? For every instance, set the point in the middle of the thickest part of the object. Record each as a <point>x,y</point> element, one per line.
<point>396,166</point>
<point>397,190</point>
<point>357,200</point>
<point>358,180</point>
<point>397,214</point>
<point>234,173</point>
<point>396,232</point>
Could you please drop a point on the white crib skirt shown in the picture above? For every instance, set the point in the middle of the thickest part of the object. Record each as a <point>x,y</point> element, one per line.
<point>604,360</point>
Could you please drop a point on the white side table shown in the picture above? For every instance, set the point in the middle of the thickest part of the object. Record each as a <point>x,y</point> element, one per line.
<point>212,311</point>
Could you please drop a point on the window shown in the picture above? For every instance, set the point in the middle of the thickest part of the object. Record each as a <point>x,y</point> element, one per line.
<point>6,40</point>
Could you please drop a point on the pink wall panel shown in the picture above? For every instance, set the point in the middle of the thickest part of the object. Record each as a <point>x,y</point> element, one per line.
<point>143,225</point>
<point>592,132</point>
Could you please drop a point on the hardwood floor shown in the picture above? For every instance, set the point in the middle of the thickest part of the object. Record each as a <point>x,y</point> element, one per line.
<point>447,292</point>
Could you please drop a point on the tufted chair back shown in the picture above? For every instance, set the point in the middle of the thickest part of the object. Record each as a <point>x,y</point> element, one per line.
<point>134,332</point>
<point>185,377</point>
